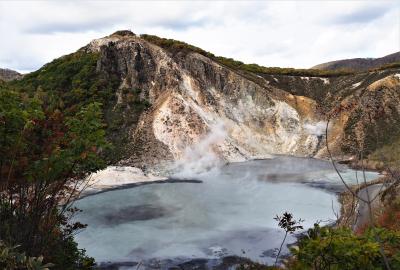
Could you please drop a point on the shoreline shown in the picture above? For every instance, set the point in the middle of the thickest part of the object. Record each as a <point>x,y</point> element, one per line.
<point>102,181</point>
<point>348,210</point>
<point>117,177</point>
<point>96,191</point>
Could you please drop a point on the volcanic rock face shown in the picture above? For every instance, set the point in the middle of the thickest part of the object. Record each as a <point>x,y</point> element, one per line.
<point>199,107</point>
<point>192,96</point>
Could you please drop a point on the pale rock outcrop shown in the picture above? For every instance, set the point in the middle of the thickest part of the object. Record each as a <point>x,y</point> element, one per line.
<point>193,96</point>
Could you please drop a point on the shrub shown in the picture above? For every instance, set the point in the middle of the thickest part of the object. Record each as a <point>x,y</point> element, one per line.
<point>11,259</point>
<point>339,249</point>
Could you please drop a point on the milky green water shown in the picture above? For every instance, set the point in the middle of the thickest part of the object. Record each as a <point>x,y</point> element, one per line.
<point>230,213</point>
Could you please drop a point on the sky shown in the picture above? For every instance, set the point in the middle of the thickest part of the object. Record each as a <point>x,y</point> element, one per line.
<point>296,34</point>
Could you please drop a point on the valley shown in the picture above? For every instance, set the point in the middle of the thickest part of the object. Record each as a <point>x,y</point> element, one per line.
<point>187,155</point>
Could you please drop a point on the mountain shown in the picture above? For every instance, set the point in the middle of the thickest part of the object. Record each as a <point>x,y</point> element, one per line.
<point>166,101</point>
<point>360,64</point>
<point>8,74</point>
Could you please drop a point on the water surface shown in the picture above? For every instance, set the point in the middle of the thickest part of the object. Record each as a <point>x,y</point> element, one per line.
<point>230,213</point>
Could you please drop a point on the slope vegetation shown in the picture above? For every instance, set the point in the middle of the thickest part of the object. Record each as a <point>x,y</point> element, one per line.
<point>163,97</point>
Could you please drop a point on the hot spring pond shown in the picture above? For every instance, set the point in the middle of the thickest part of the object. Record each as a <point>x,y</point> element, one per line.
<point>229,213</point>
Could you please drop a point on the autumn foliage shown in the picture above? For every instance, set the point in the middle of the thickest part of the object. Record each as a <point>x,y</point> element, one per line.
<point>44,158</point>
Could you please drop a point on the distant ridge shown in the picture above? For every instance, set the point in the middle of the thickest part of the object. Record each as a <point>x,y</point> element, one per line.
<point>359,64</point>
<point>9,75</point>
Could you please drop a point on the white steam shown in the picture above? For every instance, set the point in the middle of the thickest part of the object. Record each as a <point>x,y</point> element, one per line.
<point>201,156</point>
<point>316,129</point>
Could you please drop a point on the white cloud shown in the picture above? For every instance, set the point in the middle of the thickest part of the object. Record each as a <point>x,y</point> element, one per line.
<point>271,33</point>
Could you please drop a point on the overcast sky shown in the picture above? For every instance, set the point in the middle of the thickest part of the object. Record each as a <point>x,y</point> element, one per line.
<point>271,33</point>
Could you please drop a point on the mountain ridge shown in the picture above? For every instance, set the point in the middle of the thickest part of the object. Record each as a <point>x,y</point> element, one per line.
<point>359,64</point>
<point>160,101</point>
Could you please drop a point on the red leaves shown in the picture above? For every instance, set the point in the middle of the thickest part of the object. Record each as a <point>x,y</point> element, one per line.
<point>390,217</point>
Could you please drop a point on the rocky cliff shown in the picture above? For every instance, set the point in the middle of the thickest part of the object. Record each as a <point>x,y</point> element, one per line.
<point>194,99</point>
<point>8,74</point>
<point>169,101</point>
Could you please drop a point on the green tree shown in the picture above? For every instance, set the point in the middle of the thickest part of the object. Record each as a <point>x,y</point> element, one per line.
<point>44,158</point>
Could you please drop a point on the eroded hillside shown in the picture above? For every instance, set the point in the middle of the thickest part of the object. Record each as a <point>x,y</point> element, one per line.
<point>193,96</point>
<point>162,104</point>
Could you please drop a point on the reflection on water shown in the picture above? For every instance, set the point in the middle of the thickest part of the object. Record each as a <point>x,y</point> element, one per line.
<point>230,213</point>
